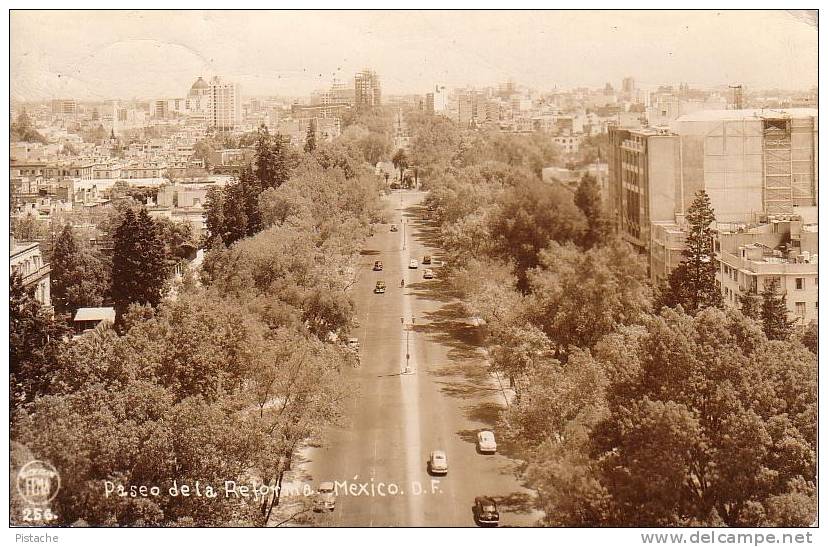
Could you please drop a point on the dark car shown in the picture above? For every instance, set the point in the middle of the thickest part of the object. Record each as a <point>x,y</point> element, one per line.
<point>378,266</point>
<point>485,511</point>
<point>426,259</point>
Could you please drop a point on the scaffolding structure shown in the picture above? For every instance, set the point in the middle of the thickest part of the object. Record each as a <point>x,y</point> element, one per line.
<point>789,176</point>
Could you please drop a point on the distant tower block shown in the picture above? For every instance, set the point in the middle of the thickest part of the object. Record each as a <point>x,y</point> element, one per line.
<point>738,96</point>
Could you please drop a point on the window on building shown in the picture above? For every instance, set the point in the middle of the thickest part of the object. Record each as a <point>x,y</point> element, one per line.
<point>800,283</point>
<point>800,309</point>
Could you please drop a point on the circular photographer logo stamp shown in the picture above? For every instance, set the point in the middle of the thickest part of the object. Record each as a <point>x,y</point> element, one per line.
<point>38,482</point>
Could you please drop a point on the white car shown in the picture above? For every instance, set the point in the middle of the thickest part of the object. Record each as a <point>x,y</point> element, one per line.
<point>428,273</point>
<point>437,463</point>
<point>413,264</point>
<point>325,497</point>
<point>486,442</point>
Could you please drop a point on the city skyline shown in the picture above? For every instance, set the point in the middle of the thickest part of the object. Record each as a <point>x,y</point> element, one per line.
<point>452,48</point>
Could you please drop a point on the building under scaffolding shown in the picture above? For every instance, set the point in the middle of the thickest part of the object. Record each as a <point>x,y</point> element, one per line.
<point>753,164</point>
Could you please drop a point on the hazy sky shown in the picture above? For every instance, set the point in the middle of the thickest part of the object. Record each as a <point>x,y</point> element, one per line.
<point>90,55</point>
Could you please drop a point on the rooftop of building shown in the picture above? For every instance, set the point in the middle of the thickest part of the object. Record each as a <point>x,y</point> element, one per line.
<point>199,84</point>
<point>95,314</point>
<point>18,247</point>
<point>749,114</point>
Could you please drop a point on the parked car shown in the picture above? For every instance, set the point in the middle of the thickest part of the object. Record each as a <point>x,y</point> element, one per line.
<point>325,499</point>
<point>427,259</point>
<point>394,228</point>
<point>378,266</point>
<point>486,442</point>
<point>437,463</point>
<point>485,511</point>
<point>413,264</point>
<point>428,273</point>
<point>352,344</point>
<point>379,288</point>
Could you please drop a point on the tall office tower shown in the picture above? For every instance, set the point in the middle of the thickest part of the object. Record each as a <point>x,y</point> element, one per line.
<point>224,111</point>
<point>367,90</point>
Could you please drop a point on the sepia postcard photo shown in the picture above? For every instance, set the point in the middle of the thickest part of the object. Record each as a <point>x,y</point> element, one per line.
<point>421,268</point>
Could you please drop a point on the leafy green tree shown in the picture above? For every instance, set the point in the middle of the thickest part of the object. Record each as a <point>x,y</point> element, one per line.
<point>80,277</point>
<point>175,235</point>
<point>692,284</point>
<point>333,155</point>
<point>582,296</point>
<point>809,336</point>
<point>434,142</point>
<point>235,209</point>
<point>588,200</point>
<point>709,421</point>
<point>214,214</point>
<point>774,312</point>
<point>310,138</point>
<point>139,267</point>
<point>400,161</point>
<point>529,216</point>
<point>29,228</point>
<point>273,162</point>
<point>749,304</point>
<point>36,340</point>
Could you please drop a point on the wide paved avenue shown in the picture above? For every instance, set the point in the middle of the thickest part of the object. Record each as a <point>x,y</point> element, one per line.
<point>394,419</point>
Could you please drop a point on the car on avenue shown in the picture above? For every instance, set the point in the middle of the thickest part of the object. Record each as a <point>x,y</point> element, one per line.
<point>427,259</point>
<point>485,511</point>
<point>325,499</point>
<point>393,227</point>
<point>379,288</point>
<point>378,266</point>
<point>437,463</point>
<point>413,264</point>
<point>428,273</point>
<point>486,442</point>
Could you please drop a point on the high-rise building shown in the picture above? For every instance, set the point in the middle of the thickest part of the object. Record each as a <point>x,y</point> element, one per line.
<point>471,107</point>
<point>755,165</point>
<point>65,108</point>
<point>759,169</point>
<point>367,92</point>
<point>224,109</point>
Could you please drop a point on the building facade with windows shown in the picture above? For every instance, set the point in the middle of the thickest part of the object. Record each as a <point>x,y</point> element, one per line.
<point>784,249</point>
<point>752,164</point>
<point>224,105</point>
<point>27,261</point>
<point>367,90</point>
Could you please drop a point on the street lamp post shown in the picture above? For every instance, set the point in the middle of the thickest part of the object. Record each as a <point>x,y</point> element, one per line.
<point>407,328</point>
<point>402,221</point>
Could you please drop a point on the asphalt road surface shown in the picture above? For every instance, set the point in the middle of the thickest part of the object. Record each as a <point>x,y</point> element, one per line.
<point>396,419</point>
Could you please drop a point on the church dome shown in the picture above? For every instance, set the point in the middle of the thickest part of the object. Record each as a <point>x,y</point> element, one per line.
<point>199,87</point>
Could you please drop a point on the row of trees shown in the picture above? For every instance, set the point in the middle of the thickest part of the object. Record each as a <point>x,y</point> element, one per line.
<point>223,382</point>
<point>634,406</point>
<point>145,251</point>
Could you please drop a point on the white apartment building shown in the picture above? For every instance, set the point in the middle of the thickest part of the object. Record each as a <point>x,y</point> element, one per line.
<point>785,250</point>
<point>224,109</point>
